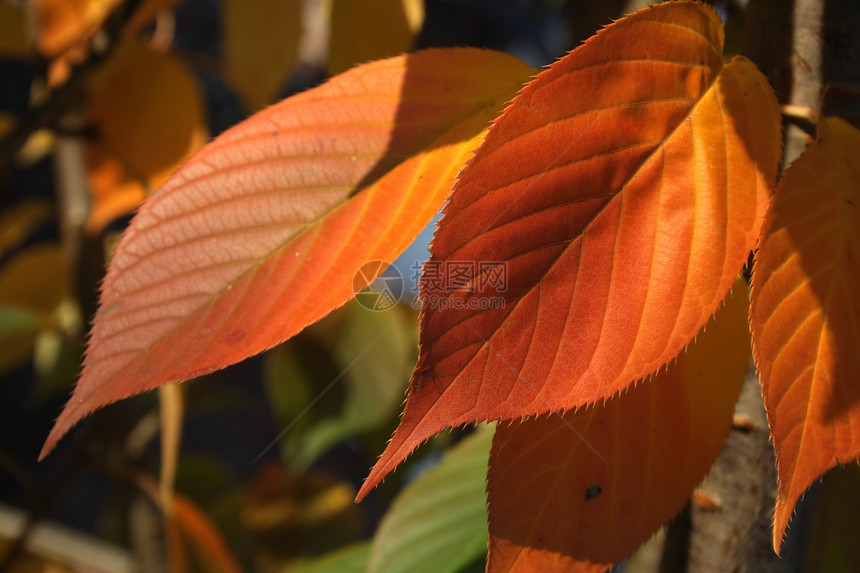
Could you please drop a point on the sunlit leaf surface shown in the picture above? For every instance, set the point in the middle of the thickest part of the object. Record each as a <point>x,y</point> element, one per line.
<point>805,314</point>
<point>617,197</point>
<point>581,491</point>
<point>262,232</point>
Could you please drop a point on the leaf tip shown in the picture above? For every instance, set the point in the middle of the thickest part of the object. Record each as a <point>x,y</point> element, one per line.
<point>54,436</point>
<point>73,412</point>
<point>387,463</point>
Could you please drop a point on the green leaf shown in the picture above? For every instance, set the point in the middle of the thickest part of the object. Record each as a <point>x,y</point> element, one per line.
<point>15,321</point>
<point>372,356</point>
<point>833,543</point>
<point>290,391</point>
<point>439,523</point>
<point>376,352</point>
<point>31,287</point>
<point>350,559</point>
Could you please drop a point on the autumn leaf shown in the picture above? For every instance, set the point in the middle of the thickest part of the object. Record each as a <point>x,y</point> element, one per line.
<point>63,23</point>
<point>15,41</point>
<point>805,315</point>
<point>142,96</point>
<point>188,527</point>
<point>619,196</point>
<point>581,491</point>
<point>19,221</point>
<point>261,46</point>
<point>365,30</point>
<point>66,26</point>
<point>139,90</point>
<point>262,232</point>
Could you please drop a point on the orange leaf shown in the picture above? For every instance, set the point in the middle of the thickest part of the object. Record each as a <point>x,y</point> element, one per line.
<point>63,23</point>
<point>621,193</point>
<point>114,191</point>
<point>556,506</point>
<point>187,523</point>
<point>262,232</point>
<point>805,314</point>
<point>66,26</point>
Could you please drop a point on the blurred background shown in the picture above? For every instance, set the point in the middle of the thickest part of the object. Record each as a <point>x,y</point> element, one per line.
<point>100,101</point>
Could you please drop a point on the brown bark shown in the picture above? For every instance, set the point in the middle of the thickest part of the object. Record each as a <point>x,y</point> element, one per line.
<point>736,535</point>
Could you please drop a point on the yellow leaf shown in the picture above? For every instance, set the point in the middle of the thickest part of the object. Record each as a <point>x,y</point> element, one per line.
<point>306,513</point>
<point>261,43</point>
<point>37,146</point>
<point>15,39</point>
<point>148,115</point>
<point>18,222</point>
<point>65,23</point>
<point>365,30</point>
<point>33,278</point>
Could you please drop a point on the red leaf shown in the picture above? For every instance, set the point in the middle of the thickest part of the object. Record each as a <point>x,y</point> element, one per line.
<point>622,190</point>
<point>261,233</point>
<point>805,315</point>
<point>556,506</point>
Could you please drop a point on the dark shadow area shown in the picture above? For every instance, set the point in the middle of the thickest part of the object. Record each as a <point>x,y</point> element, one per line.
<point>841,60</point>
<point>768,41</point>
<point>841,97</point>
